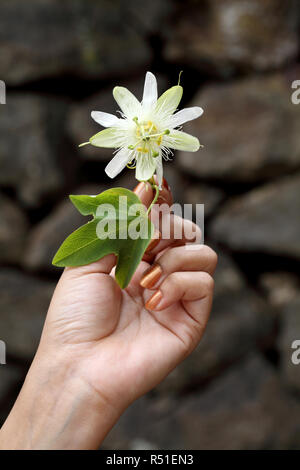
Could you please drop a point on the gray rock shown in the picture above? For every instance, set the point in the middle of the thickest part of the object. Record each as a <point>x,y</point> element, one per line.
<point>90,39</point>
<point>30,137</point>
<point>245,408</point>
<point>290,333</point>
<point>264,220</point>
<point>47,236</point>
<point>204,194</point>
<point>11,378</point>
<point>141,444</point>
<point>81,126</point>
<point>13,230</point>
<point>280,288</point>
<point>240,322</point>
<point>24,303</point>
<point>136,423</point>
<point>249,129</point>
<point>234,34</point>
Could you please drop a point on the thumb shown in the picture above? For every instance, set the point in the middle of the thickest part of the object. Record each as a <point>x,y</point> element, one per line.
<point>86,303</point>
<point>103,265</point>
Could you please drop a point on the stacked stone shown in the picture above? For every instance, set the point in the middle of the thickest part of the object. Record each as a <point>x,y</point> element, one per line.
<point>60,60</point>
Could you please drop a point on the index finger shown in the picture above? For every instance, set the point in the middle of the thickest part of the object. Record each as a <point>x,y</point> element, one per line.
<point>146,194</point>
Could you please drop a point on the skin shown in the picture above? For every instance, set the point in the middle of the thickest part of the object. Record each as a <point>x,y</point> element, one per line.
<point>101,348</point>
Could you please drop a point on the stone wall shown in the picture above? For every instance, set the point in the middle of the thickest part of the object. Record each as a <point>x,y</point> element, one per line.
<point>60,60</point>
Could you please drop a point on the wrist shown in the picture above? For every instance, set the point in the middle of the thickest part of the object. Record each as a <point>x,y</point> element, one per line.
<point>57,409</point>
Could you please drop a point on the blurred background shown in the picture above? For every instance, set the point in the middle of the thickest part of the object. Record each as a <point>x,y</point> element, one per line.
<point>60,60</point>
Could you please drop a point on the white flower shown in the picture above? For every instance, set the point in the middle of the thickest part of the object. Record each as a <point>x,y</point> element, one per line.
<point>146,131</point>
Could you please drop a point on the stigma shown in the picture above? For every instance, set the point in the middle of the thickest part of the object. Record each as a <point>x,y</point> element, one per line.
<point>148,138</point>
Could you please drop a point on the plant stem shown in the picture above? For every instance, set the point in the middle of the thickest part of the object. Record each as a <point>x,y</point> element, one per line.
<point>154,186</point>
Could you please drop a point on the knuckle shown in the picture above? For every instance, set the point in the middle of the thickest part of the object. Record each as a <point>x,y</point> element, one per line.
<point>174,279</point>
<point>213,256</point>
<point>192,231</point>
<point>190,339</point>
<point>197,230</point>
<point>208,283</point>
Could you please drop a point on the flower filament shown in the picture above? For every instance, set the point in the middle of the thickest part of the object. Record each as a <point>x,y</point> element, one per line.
<point>148,138</point>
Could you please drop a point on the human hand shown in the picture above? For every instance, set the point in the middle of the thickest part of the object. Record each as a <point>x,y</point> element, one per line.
<point>110,346</point>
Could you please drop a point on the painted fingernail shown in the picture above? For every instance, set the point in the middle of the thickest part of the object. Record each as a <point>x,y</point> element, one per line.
<point>154,242</point>
<point>154,301</point>
<point>166,184</point>
<point>139,188</point>
<point>149,257</point>
<point>165,195</point>
<point>151,277</point>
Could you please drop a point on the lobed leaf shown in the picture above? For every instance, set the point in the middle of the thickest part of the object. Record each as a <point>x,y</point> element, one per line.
<point>84,245</point>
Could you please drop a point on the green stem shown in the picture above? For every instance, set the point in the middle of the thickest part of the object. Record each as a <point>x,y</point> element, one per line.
<point>154,186</point>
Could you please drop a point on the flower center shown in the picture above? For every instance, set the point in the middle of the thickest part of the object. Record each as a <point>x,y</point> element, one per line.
<point>148,138</point>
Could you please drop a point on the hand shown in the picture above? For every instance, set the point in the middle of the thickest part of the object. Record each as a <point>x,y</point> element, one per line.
<point>110,346</point>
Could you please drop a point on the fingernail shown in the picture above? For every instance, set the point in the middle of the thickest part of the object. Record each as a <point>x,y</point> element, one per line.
<point>166,184</point>
<point>139,188</point>
<point>165,195</point>
<point>154,242</point>
<point>154,301</point>
<point>149,257</point>
<point>151,277</point>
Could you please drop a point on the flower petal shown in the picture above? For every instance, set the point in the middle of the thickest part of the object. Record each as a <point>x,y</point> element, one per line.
<point>145,167</point>
<point>150,90</point>
<point>169,101</point>
<point>181,141</point>
<point>128,103</point>
<point>119,162</point>
<point>108,138</point>
<point>159,170</point>
<point>184,115</point>
<point>105,119</point>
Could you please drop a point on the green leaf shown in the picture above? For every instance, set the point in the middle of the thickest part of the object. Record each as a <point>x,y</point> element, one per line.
<point>118,225</point>
<point>88,205</point>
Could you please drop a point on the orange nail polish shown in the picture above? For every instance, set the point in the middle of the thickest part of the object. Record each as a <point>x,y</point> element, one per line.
<point>154,301</point>
<point>151,277</point>
<point>166,184</point>
<point>149,257</point>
